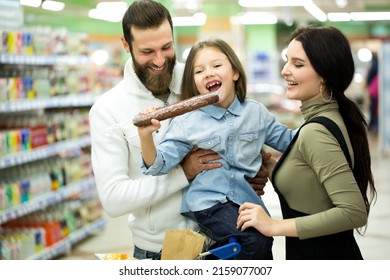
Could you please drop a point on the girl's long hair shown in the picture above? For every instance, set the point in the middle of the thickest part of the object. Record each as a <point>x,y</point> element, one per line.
<point>188,87</point>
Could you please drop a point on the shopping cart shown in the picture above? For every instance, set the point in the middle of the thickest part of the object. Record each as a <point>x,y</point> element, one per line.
<point>186,244</point>
<point>224,252</point>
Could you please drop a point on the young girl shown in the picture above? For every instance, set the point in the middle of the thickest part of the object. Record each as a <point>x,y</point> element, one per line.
<point>235,128</point>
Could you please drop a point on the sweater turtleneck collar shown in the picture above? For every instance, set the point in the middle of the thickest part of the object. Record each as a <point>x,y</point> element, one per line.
<point>317,107</point>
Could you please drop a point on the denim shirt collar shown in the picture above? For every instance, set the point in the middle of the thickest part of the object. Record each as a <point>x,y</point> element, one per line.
<point>218,112</point>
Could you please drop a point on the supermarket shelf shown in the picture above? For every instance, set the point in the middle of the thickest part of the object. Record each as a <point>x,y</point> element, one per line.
<point>84,185</point>
<point>65,245</point>
<point>66,101</point>
<point>44,59</point>
<point>44,152</point>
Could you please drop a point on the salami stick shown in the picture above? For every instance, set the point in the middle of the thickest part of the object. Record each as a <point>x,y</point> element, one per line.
<point>176,109</point>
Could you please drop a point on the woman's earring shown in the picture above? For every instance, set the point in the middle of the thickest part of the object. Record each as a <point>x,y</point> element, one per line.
<point>331,94</point>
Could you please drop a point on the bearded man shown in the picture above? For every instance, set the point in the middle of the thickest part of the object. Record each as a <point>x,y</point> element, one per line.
<point>151,77</point>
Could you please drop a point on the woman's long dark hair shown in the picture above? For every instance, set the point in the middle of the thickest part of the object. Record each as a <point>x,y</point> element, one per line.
<point>330,54</point>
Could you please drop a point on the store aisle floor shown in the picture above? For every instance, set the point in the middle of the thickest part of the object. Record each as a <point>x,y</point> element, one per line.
<point>375,244</point>
<point>115,237</point>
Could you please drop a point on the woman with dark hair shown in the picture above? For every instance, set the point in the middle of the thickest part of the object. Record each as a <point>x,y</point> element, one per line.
<point>329,199</point>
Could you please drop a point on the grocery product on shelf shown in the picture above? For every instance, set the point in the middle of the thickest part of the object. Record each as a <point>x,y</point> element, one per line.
<point>48,200</point>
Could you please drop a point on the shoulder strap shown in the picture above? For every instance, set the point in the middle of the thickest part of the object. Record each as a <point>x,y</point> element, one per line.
<point>335,130</point>
<point>332,127</point>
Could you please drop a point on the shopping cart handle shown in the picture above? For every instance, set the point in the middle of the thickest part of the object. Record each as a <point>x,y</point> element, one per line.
<point>227,251</point>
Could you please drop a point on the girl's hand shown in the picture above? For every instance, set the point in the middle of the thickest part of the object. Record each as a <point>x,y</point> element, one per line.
<point>253,215</point>
<point>150,110</point>
<point>154,126</point>
<point>148,130</point>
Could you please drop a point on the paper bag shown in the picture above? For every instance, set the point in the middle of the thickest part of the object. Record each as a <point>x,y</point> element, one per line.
<point>184,244</point>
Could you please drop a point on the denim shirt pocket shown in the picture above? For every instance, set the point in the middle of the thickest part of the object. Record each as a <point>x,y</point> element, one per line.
<point>211,144</point>
<point>249,144</point>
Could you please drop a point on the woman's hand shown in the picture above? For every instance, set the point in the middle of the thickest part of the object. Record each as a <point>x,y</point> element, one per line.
<point>253,215</point>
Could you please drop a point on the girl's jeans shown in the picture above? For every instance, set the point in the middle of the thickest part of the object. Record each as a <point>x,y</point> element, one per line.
<point>219,223</point>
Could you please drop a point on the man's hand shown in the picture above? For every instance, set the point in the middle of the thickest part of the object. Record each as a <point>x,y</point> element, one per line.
<point>258,183</point>
<point>198,160</point>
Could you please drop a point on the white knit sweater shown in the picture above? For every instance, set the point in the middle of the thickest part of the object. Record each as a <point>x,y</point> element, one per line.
<point>153,203</point>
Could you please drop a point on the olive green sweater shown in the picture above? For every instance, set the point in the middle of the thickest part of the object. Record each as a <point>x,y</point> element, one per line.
<point>315,177</point>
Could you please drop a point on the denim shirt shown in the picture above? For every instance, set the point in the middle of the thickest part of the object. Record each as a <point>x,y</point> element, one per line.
<point>237,134</point>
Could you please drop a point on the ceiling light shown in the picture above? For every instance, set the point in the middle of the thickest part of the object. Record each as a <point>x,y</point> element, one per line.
<point>53,6</point>
<point>252,18</point>
<point>309,6</point>
<point>359,16</point>
<point>358,78</point>
<point>31,3</point>
<point>364,54</point>
<point>103,15</point>
<point>192,5</point>
<point>197,19</point>
<point>339,16</point>
<point>367,16</point>
<point>341,3</point>
<point>109,11</point>
<point>112,6</point>
<point>316,12</point>
<point>99,57</point>
<point>271,3</point>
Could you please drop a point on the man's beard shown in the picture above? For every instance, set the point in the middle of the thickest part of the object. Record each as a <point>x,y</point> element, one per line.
<point>157,84</point>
